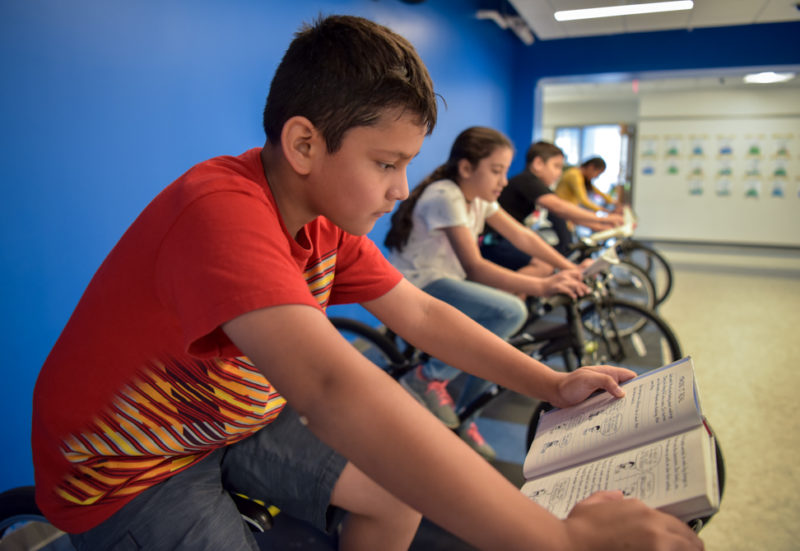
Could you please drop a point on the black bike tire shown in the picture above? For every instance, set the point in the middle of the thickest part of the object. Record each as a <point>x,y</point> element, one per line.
<point>644,278</point>
<point>646,314</point>
<point>629,245</point>
<point>371,336</point>
<point>17,509</point>
<point>18,503</point>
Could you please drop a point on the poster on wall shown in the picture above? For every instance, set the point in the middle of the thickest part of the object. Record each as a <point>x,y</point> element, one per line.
<point>724,175</point>
<point>754,145</point>
<point>754,165</point>
<point>725,146</point>
<point>724,165</point>
<point>697,159</point>
<point>723,187</point>
<point>673,155</point>
<point>698,146</point>
<point>778,189</point>
<point>781,158</point>
<point>648,155</point>
<point>752,188</point>
<point>719,172</point>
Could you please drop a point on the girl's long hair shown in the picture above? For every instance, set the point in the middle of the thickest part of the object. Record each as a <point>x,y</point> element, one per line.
<point>473,144</point>
<point>595,162</point>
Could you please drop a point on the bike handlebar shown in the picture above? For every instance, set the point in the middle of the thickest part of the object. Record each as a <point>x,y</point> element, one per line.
<point>625,230</point>
<point>602,263</point>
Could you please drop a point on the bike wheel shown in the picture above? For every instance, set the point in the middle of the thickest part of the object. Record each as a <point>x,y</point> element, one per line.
<point>628,335</point>
<point>23,526</point>
<point>373,344</point>
<point>550,340</point>
<point>654,264</point>
<point>629,282</point>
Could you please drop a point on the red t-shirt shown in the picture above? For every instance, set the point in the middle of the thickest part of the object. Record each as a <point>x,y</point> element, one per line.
<point>143,383</point>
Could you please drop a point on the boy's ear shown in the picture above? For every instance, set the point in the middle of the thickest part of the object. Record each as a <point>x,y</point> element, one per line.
<point>300,141</point>
<point>536,164</point>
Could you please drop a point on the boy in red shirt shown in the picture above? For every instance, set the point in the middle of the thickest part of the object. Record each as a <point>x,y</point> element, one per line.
<point>200,362</point>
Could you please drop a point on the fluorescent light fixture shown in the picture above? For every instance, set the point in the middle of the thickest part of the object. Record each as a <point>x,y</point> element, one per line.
<point>768,77</point>
<point>630,9</point>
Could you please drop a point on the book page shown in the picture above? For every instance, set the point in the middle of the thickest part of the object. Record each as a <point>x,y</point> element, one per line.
<point>657,404</point>
<point>676,475</point>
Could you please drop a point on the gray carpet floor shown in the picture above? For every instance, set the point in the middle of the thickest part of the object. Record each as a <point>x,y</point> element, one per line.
<point>737,313</point>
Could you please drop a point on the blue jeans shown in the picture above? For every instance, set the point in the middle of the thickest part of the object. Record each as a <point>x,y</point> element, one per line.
<point>500,251</point>
<point>499,312</point>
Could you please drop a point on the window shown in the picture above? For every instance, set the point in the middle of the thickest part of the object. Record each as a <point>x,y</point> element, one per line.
<point>609,141</point>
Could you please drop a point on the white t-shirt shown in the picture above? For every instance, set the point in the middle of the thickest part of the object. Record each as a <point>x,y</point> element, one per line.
<point>428,255</point>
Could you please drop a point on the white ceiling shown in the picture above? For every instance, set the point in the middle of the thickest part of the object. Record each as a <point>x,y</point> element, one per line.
<point>538,14</point>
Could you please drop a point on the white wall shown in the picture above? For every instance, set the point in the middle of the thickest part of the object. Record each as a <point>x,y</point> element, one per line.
<point>719,166</point>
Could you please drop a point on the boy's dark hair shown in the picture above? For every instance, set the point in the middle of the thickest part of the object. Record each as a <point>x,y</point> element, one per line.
<point>595,162</point>
<point>543,150</point>
<point>345,71</point>
<point>473,144</point>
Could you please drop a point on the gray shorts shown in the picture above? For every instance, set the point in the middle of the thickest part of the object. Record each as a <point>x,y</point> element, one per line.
<point>283,464</point>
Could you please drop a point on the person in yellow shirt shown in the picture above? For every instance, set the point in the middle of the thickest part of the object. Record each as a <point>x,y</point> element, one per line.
<point>576,183</point>
<point>574,188</point>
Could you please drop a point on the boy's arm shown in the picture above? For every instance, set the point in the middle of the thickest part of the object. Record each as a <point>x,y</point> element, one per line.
<point>449,335</point>
<point>527,240</point>
<point>578,215</point>
<point>365,415</point>
<point>487,272</point>
<point>579,192</point>
<point>610,201</point>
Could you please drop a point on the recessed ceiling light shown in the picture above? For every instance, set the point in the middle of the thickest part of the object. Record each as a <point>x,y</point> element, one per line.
<point>630,9</point>
<point>768,77</point>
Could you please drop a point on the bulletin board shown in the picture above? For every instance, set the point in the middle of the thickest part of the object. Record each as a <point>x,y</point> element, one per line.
<point>731,180</point>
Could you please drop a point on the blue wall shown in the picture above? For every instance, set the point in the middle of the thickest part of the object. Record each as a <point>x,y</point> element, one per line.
<point>105,102</point>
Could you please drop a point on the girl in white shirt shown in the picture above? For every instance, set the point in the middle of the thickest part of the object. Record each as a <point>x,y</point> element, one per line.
<point>434,243</point>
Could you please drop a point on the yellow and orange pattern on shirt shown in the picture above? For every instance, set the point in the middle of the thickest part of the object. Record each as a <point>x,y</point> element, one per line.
<point>173,415</point>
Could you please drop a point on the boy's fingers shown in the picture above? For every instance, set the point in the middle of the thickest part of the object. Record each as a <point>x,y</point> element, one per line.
<point>602,379</point>
<point>613,387</point>
<point>603,496</point>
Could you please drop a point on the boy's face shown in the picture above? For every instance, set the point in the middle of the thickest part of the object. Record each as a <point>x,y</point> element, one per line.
<point>362,181</point>
<point>548,171</point>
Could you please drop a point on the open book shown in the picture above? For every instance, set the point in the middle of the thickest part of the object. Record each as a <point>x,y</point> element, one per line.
<point>653,444</point>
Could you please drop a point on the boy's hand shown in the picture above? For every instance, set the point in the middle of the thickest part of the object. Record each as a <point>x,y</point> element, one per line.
<point>575,387</point>
<point>614,220</point>
<point>565,282</point>
<point>585,264</point>
<point>605,520</point>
